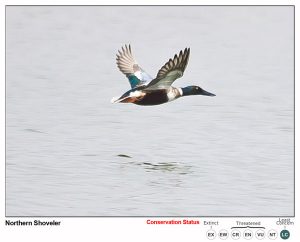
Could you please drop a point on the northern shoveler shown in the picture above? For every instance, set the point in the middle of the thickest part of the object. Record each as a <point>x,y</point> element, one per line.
<point>146,90</point>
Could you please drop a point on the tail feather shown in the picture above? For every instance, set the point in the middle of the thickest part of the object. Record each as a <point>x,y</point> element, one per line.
<point>130,97</point>
<point>115,100</point>
<point>127,99</point>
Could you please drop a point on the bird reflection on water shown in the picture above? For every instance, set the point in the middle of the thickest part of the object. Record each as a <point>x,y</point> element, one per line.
<point>176,167</point>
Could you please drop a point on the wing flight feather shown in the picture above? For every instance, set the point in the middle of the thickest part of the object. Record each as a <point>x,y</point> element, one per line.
<point>128,65</point>
<point>171,70</point>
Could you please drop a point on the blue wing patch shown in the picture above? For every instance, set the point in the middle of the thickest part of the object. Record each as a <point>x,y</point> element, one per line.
<point>134,81</point>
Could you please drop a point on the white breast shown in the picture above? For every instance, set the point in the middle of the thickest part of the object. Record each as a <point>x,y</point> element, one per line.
<point>173,93</point>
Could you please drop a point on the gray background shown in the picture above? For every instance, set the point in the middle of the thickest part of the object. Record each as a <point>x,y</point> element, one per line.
<point>231,155</point>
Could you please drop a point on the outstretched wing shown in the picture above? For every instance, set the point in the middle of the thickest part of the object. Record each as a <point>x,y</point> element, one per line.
<point>129,66</point>
<point>170,71</point>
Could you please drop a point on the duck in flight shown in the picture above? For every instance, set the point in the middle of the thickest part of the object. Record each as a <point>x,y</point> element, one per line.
<point>146,90</point>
